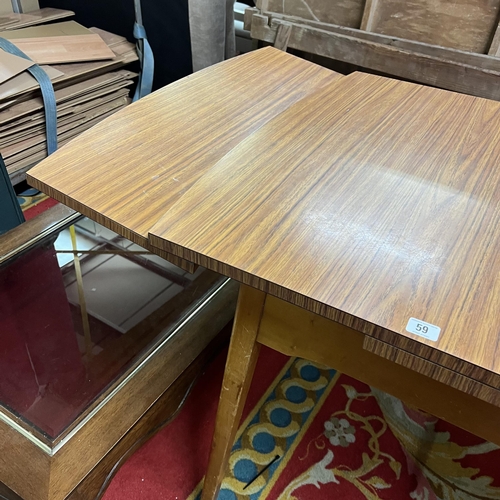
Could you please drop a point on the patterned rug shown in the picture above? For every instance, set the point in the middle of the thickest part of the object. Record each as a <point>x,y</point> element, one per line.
<point>34,202</point>
<point>312,433</point>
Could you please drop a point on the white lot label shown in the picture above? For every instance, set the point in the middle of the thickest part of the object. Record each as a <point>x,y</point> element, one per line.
<point>423,329</point>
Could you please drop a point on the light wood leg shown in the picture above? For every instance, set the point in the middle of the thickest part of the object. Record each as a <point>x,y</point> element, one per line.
<point>240,365</point>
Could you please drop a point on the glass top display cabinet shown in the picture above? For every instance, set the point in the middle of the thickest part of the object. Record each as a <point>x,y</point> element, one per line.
<point>100,340</point>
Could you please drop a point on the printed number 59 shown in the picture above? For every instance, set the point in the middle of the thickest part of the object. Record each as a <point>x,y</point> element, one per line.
<point>421,328</point>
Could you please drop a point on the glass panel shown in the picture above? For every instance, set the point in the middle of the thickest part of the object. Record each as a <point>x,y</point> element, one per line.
<point>72,322</point>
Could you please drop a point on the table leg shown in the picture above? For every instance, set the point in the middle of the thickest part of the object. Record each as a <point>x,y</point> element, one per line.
<point>240,365</point>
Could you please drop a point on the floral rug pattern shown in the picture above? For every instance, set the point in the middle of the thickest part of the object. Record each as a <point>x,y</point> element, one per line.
<point>320,434</point>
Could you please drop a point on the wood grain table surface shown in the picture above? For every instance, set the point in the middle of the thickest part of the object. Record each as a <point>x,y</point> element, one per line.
<point>363,199</point>
<point>128,170</point>
<point>370,202</point>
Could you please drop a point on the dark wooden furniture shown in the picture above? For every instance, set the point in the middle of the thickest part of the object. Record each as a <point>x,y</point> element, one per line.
<point>80,388</point>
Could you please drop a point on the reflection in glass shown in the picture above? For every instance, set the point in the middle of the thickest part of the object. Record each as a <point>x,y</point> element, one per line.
<point>72,322</point>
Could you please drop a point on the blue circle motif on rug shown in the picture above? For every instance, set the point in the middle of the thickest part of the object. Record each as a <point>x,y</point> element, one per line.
<point>296,394</point>
<point>310,373</point>
<point>263,442</point>
<point>273,427</point>
<point>245,470</point>
<point>281,417</point>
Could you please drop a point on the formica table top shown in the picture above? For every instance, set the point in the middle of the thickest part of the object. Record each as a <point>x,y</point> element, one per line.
<point>369,201</point>
<point>128,170</point>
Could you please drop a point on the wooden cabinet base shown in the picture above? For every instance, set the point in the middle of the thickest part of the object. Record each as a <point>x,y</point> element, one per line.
<point>82,467</point>
<point>159,415</point>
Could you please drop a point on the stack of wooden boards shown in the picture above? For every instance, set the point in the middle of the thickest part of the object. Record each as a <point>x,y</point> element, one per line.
<point>85,67</point>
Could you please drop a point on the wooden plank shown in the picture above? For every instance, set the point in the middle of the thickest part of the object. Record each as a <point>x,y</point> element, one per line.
<point>38,145</point>
<point>65,28</point>
<point>11,65</point>
<point>25,81</point>
<point>64,111</point>
<point>494,49</point>
<point>18,142</point>
<point>296,332</point>
<point>463,24</point>
<point>387,59</point>
<point>274,82</point>
<point>446,54</point>
<point>282,37</point>
<point>64,49</point>
<point>6,20</point>
<point>378,194</point>
<point>72,73</point>
<point>370,15</point>
<point>104,84</point>
<point>64,108</point>
<point>346,13</point>
<point>35,17</point>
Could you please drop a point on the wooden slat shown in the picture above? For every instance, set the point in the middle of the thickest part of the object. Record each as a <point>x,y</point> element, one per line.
<point>70,106</point>
<point>38,146</point>
<point>370,15</point>
<point>395,61</point>
<point>23,82</point>
<point>65,28</point>
<point>462,24</point>
<point>494,49</point>
<point>35,17</point>
<point>31,137</point>
<point>481,61</point>
<point>64,49</point>
<point>6,20</point>
<point>380,196</point>
<point>282,37</point>
<point>346,13</point>
<point>269,79</point>
<point>67,111</point>
<point>103,84</point>
<point>11,65</point>
<point>72,73</point>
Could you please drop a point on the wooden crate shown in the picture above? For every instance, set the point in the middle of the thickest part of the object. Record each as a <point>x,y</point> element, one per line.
<point>448,45</point>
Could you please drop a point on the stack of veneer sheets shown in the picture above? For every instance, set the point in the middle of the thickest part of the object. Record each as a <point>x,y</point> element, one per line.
<point>86,70</point>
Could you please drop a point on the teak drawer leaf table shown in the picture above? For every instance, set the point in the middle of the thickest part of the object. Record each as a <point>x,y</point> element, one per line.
<point>361,215</point>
